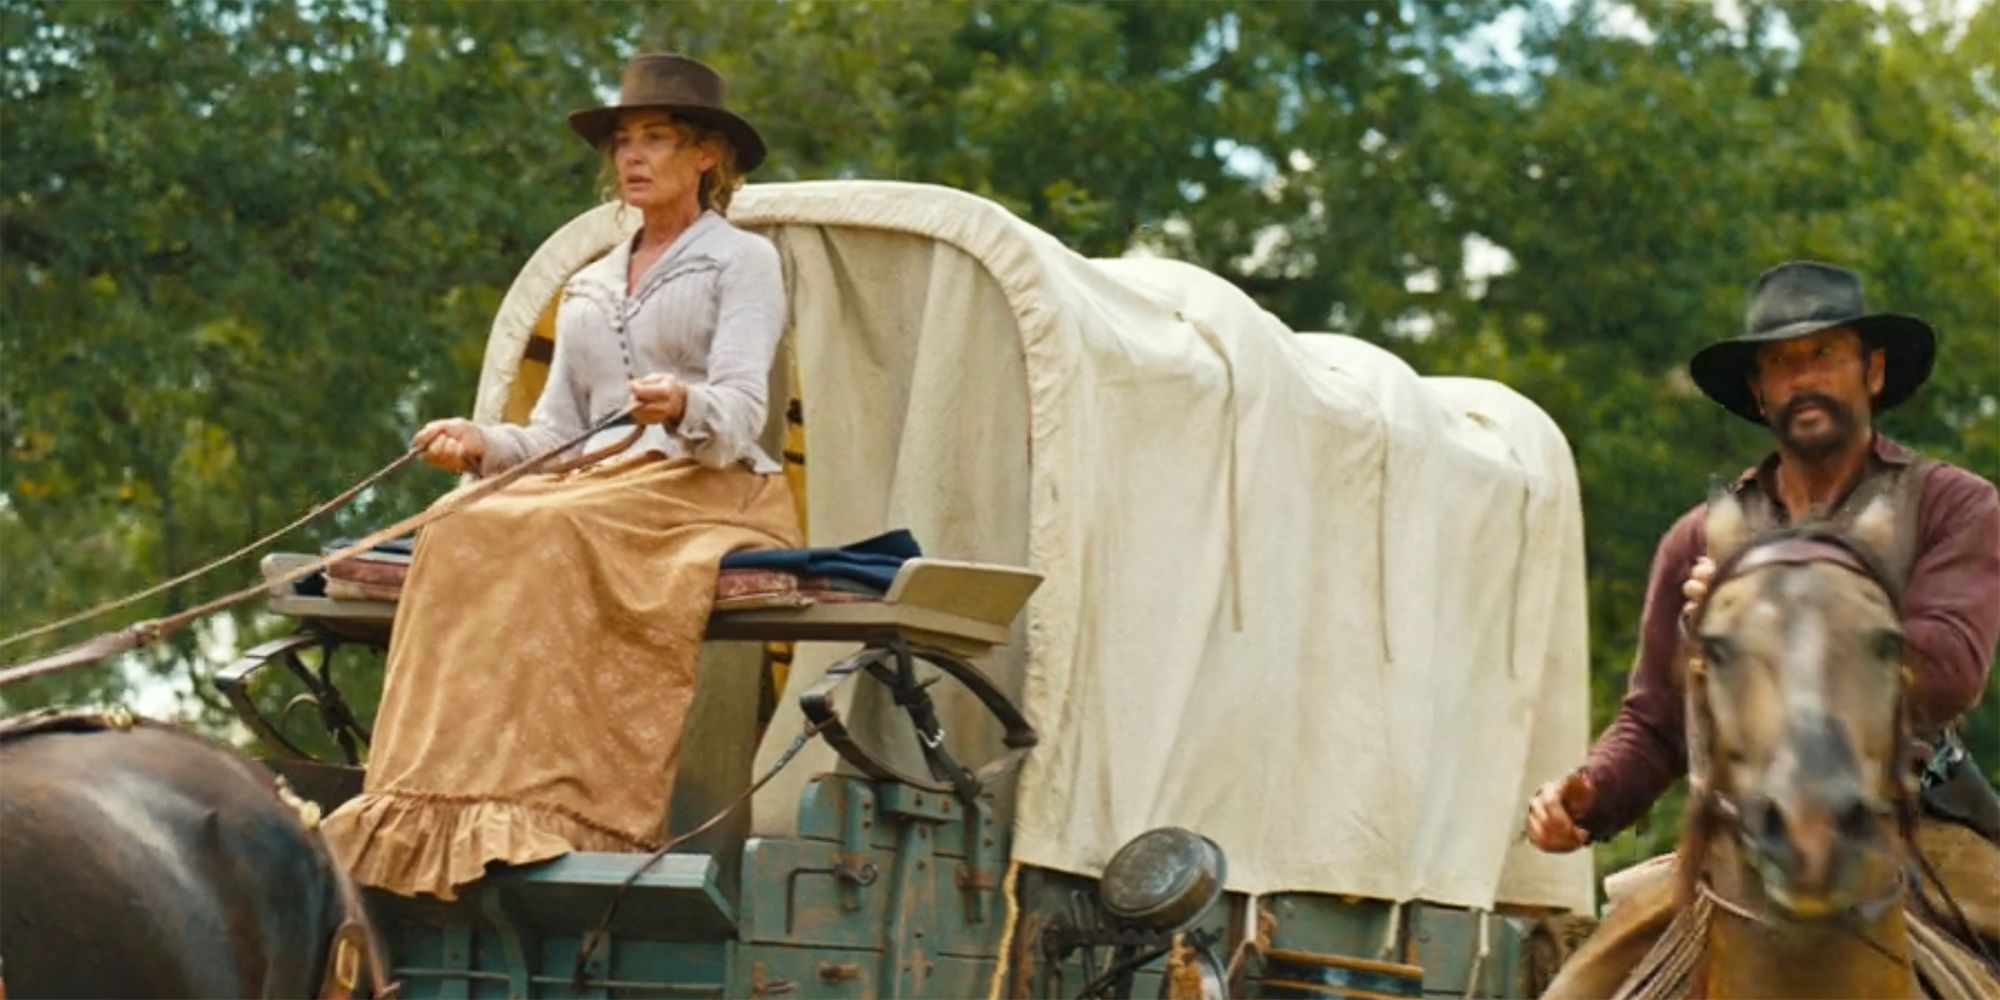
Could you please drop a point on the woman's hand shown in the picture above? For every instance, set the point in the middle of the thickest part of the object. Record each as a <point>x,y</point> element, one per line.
<point>453,444</point>
<point>662,399</point>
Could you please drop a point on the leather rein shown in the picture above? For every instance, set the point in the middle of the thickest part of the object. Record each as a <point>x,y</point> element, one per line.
<point>134,636</point>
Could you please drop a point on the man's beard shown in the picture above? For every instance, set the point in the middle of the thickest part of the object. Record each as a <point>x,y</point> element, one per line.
<point>1838,416</point>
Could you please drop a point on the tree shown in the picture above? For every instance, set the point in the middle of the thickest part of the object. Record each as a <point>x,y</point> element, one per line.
<point>264,271</point>
<point>230,292</point>
<point>1639,185</point>
<point>244,248</point>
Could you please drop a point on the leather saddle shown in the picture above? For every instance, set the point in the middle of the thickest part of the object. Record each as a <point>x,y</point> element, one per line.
<point>1954,789</point>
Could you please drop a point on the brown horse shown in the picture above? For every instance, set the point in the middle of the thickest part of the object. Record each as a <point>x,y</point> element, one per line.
<point>139,860</point>
<point>1802,805</point>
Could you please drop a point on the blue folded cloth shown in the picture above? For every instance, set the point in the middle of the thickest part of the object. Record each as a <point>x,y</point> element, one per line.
<point>873,562</point>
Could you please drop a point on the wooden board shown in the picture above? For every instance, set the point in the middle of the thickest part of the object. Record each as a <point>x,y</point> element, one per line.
<point>966,608</point>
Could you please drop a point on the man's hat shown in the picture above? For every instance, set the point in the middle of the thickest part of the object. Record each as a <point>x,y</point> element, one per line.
<point>678,85</point>
<point>1800,299</point>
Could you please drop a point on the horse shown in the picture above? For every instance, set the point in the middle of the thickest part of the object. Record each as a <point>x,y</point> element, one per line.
<point>1797,858</point>
<point>137,859</point>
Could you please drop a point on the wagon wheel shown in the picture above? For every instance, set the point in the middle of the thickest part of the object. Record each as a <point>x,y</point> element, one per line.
<point>335,716</point>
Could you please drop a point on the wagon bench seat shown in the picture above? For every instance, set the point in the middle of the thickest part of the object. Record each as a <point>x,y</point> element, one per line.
<point>961,607</point>
<point>933,608</point>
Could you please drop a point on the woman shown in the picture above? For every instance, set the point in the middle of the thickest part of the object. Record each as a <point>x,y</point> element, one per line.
<point>544,654</point>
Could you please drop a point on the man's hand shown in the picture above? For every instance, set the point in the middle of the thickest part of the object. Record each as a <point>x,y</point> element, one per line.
<point>662,399</point>
<point>1553,811</point>
<point>453,444</point>
<point>1695,590</point>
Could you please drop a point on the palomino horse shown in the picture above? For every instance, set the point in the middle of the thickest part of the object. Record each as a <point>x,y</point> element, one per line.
<point>139,860</point>
<point>1802,803</point>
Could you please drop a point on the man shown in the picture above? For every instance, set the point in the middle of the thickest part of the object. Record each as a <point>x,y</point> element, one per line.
<point>1814,366</point>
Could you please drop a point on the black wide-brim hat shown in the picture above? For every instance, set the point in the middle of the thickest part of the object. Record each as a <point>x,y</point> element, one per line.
<point>682,87</point>
<point>1800,299</point>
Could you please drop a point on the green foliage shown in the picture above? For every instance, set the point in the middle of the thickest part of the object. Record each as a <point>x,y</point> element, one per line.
<point>246,247</point>
<point>1639,194</point>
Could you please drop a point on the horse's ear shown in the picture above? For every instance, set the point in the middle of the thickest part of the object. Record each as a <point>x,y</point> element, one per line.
<point>1728,529</point>
<point>1875,528</point>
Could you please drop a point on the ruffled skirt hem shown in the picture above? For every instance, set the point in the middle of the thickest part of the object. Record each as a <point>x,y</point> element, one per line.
<point>417,843</point>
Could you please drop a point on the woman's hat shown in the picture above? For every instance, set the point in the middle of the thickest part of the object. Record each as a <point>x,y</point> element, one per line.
<point>679,85</point>
<point>1800,299</point>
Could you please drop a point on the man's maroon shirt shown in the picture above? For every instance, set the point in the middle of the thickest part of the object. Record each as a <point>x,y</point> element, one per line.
<point>1951,620</point>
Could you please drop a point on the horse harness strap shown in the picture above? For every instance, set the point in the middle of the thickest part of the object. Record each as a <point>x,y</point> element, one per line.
<point>1802,550</point>
<point>346,959</point>
<point>354,951</point>
<point>1902,486</point>
<point>1867,909</point>
<point>56,719</point>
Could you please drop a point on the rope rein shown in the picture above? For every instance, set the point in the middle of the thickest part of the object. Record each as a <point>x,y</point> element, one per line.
<point>1751,916</point>
<point>112,643</point>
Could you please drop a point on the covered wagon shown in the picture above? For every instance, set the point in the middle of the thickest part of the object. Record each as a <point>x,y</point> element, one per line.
<point>1308,629</point>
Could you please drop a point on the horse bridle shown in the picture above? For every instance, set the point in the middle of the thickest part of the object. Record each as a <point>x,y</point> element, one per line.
<point>1799,548</point>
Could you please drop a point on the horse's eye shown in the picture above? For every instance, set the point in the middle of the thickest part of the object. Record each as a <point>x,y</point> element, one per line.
<point>1717,650</point>
<point>1888,644</point>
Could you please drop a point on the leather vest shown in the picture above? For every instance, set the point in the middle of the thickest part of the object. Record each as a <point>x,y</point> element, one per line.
<point>1904,488</point>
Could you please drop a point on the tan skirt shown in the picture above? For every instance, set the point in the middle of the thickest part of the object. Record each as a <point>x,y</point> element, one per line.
<point>541,670</point>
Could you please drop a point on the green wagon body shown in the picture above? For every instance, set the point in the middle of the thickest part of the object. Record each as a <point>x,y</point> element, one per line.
<point>928,923</point>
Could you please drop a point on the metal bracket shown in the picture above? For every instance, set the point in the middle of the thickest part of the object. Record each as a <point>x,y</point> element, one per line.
<point>893,663</point>
<point>839,972</point>
<point>761,987</point>
<point>520,946</point>
<point>978,874</point>
<point>852,870</point>
<point>321,694</point>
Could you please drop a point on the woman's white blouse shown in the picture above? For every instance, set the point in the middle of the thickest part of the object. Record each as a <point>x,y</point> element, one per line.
<point>709,311</point>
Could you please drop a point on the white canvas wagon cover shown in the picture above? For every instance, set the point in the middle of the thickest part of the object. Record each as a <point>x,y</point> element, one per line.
<point>1297,597</point>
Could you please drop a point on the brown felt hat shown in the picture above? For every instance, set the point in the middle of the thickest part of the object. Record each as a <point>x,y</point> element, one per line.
<point>1800,299</point>
<point>676,84</point>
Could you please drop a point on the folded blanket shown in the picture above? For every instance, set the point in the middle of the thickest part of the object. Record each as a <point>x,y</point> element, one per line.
<point>864,568</point>
<point>755,578</point>
<point>873,561</point>
<point>381,569</point>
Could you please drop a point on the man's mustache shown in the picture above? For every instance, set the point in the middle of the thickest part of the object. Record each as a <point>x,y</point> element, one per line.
<point>1833,407</point>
